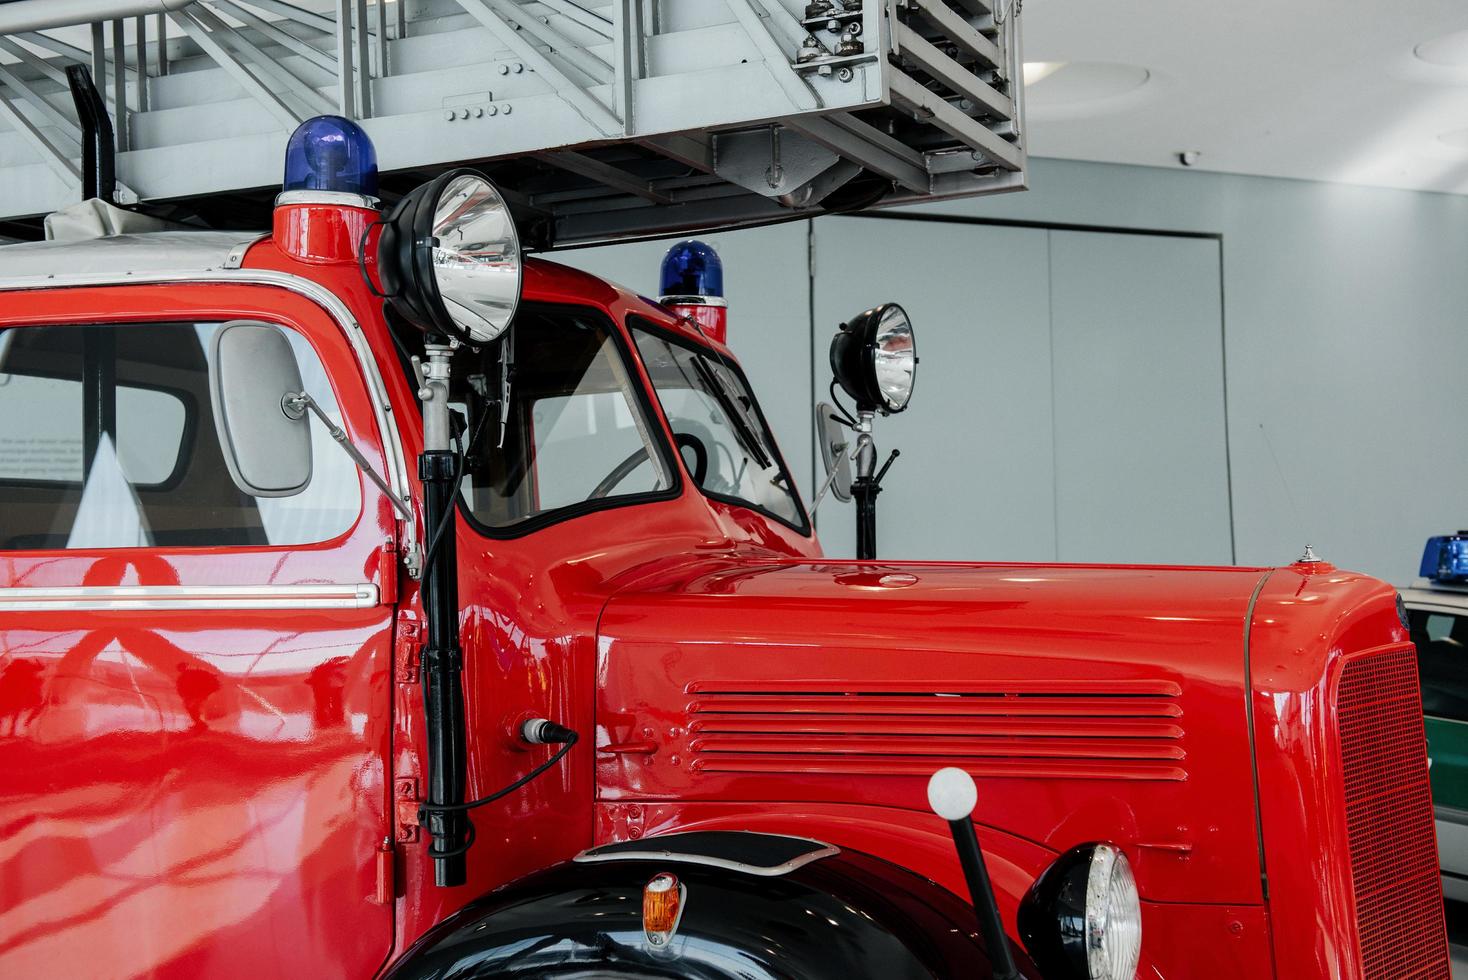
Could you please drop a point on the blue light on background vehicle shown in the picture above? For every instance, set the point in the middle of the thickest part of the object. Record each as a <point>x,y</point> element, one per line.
<point>1445,559</point>
<point>330,153</point>
<point>692,268</point>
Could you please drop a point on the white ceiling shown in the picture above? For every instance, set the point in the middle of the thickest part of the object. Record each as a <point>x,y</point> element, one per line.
<point>1317,89</point>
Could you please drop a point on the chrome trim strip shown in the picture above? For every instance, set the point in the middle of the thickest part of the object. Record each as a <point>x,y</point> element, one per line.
<point>236,257</point>
<point>762,870</point>
<point>119,598</point>
<point>397,471</point>
<point>286,198</point>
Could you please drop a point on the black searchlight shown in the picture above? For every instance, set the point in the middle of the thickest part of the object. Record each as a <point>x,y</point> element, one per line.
<point>874,357</point>
<point>449,258</point>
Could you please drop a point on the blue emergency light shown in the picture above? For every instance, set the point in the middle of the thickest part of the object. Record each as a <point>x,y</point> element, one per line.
<point>1445,559</point>
<point>331,153</point>
<point>692,268</point>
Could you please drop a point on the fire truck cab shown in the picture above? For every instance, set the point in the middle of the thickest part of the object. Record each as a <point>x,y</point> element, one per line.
<point>335,647</point>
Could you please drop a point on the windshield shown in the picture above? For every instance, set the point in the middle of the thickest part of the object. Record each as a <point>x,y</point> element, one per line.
<point>718,426</point>
<point>576,436</point>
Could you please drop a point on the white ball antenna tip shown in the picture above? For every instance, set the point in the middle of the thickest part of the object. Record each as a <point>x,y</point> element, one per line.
<point>952,794</point>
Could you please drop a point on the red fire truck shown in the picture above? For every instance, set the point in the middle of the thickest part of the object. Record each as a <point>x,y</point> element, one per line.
<point>376,600</point>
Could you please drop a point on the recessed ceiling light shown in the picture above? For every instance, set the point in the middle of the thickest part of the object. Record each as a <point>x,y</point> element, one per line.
<point>1038,71</point>
<point>1450,50</point>
<point>1075,83</point>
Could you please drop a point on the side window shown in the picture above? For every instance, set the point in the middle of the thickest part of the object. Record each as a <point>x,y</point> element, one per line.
<point>44,445</point>
<point>107,440</point>
<point>718,426</point>
<point>1442,662</point>
<point>576,434</point>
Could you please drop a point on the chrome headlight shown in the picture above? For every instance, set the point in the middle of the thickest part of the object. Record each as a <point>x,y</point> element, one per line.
<point>1082,918</point>
<point>874,357</point>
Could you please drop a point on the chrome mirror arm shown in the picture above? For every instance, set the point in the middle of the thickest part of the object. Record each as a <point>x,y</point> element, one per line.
<point>295,404</point>
<point>830,478</point>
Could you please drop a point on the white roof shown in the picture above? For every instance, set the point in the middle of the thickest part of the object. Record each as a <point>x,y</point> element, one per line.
<point>95,237</point>
<point>122,255</point>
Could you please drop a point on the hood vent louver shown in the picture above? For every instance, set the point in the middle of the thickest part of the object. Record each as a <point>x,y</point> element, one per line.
<point>1128,730</point>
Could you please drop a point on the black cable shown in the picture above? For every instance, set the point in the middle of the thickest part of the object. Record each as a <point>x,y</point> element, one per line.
<point>836,403</point>
<point>571,740</point>
<point>469,837</point>
<point>362,259</point>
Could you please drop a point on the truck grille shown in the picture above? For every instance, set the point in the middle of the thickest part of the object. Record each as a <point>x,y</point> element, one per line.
<point>1124,730</point>
<point>1389,822</point>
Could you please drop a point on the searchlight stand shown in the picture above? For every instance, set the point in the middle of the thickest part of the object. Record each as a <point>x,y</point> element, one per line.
<point>867,485</point>
<point>443,660</point>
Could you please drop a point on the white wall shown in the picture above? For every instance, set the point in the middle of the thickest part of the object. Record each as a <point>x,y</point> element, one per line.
<point>1346,343</point>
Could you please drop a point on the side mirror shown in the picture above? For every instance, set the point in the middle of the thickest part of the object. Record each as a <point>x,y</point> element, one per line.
<point>252,370</point>
<point>835,441</point>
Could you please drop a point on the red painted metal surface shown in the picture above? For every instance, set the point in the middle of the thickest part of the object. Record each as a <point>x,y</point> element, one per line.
<point>321,234</point>
<point>1205,942</point>
<point>808,683</point>
<point>190,794</point>
<point>1309,621</point>
<point>712,320</point>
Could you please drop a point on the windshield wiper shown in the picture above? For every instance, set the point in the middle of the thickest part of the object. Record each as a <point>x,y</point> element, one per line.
<point>742,430</point>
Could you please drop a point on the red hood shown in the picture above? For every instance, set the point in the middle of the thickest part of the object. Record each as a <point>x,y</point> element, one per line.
<point>1090,702</point>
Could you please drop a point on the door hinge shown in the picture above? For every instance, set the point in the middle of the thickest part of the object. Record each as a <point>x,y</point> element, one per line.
<point>406,651</point>
<point>386,858</point>
<point>405,807</point>
<point>408,551</point>
<point>387,574</point>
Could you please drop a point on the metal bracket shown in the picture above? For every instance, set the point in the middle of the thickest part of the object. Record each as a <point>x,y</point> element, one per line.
<point>405,807</point>
<point>581,100</point>
<point>407,655</point>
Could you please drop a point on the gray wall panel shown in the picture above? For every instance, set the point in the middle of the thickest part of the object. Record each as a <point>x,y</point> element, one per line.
<point>1347,338</point>
<point>976,473</point>
<point>1141,468</point>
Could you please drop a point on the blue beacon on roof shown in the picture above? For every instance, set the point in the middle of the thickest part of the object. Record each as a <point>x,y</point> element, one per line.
<point>692,268</point>
<point>692,286</point>
<point>332,154</point>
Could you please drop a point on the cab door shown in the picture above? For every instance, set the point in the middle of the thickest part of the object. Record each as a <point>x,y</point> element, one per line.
<point>194,682</point>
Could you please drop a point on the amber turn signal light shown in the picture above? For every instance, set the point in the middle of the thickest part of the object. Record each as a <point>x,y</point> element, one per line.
<point>662,907</point>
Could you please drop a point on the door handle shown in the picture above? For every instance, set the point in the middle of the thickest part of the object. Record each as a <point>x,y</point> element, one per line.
<point>645,747</point>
